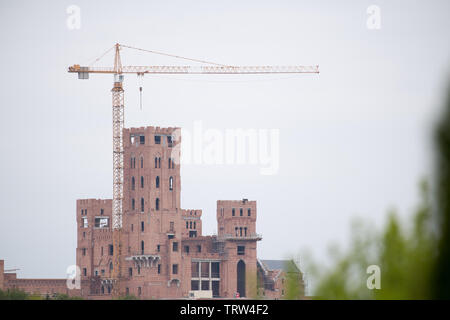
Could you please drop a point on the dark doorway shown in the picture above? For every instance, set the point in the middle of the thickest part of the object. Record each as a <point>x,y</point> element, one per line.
<point>241,278</point>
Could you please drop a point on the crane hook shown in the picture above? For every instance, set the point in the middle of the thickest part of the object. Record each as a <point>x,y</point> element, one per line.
<point>140,80</point>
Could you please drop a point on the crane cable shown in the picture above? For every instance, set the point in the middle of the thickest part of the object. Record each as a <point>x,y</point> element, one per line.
<point>96,60</point>
<point>175,56</point>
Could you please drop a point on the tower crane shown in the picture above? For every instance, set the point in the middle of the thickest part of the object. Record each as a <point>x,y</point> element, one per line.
<point>118,71</point>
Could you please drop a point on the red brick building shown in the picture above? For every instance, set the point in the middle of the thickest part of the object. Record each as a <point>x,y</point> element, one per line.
<point>164,253</point>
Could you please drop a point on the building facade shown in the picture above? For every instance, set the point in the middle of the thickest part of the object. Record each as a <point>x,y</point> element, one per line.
<point>164,252</point>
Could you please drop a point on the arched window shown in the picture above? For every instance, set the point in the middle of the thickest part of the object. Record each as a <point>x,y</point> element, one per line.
<point>110,266</point>
<point>170,163</point>
<point>142,181</point>
<point>171,183</point>
<point>133,204</point>
<point>190,225</point>
<point>142,162</point>
<point>195,225</point>
<point>157,181</point>
<point>133,183</point>
<point>142,204</point>
<point>157,203</point>
<point>159,162</point>
<point>156,162</point>
<point>142,247</point>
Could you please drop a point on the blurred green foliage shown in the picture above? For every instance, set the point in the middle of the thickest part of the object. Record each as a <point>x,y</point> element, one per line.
<point>16,294</point>
<point>413,255</point>
<point>404,254</point>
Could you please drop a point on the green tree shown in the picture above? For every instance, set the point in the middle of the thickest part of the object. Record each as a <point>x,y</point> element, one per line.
<point>441,281</point>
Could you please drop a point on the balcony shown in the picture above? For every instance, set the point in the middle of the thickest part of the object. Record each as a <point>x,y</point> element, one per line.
<point>233,237</point>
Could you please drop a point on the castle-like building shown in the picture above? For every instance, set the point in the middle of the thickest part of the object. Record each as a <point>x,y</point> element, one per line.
<point>164,253</point>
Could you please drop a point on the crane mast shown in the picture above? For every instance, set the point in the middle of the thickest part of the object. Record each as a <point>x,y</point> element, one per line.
<point>118,123</point>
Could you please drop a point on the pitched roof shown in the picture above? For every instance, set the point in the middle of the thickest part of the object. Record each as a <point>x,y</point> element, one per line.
<point>285,265</point>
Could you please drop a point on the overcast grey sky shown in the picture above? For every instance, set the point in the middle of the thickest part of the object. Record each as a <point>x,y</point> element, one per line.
<point>354,140</point>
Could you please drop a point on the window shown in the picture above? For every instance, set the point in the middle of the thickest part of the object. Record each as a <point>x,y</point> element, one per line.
<point>192,234</point>
<point>205,285</point>
<point>130,272</point>
<point>186,249</point>
<point>194,285</point>
<point>195,225</point>
<point>241,212</point>
<point>101,222</point>
<point>170,162</point>
<point>156,162</point>
<point>142,181</point>
<point>175,269</point>
<point>171,183</point>
<point>142,247</point>
<point>159,162</point>
<point>142,205</point>
<point>142,226</point>
<point>157,139</point>
<point>204,269</point>
<point>171,226</point>
<point>84,272</point>
<point>233,212</point>
<point>102,251</point>
<point>194,269</point>
<point>236,230</point>
<point>157,182</point>
<point>215,270</point>
<point>127,291</point>
<point>158,248</point>
<point>132,162</point>
<point>133,183</point>
<point>110,266</point>
<point>142,139</point>
<point>175,246</point>
<point>84,251</point>
<point>199,248</point>
<point>157,204</point>
<point>159,268</point>
<point>187,225</point>
<point>139,291</point>
<point>241,250</point>
<point>245,231</point>
<point>249,212</point>
<point>133,204</point>
<point>142,162</point>
<point>169,142</point>
<point>190,225</point>
<point>84,222</point>
<point>110,249</point>
<point>102,212</point>
<point>240,231</point>
<point>84,234</point>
